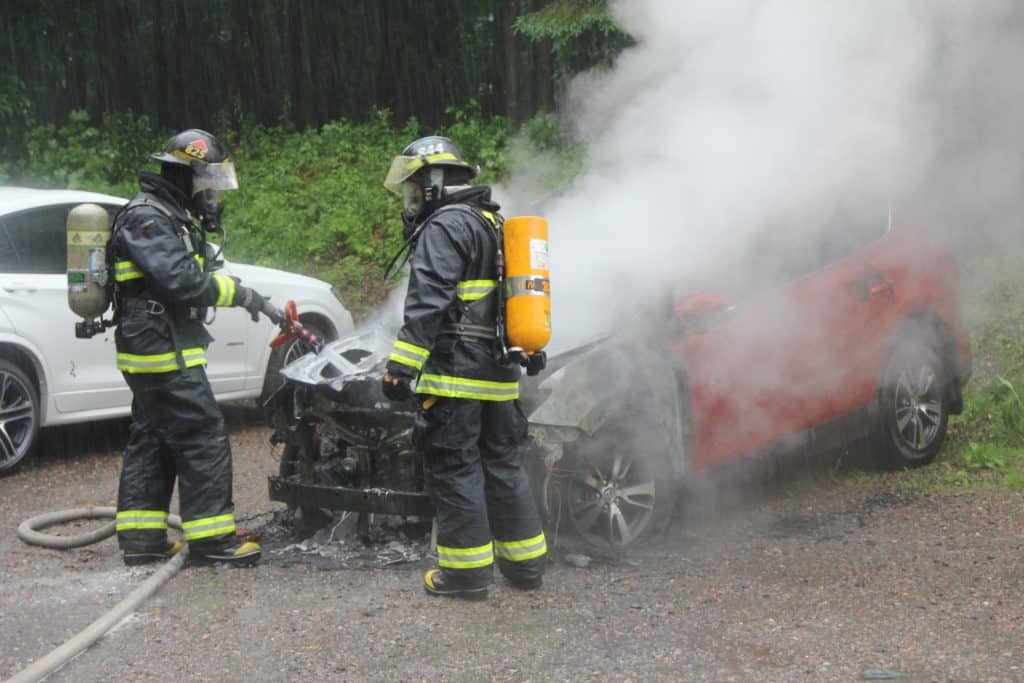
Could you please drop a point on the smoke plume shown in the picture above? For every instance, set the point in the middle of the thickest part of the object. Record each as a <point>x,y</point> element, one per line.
<point>733,124</point>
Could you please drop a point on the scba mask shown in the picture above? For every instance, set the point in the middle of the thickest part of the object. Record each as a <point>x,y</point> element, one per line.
<point>207,182</point>
<point>209,209</point>
<point>421,193</point>
<point>412,199</point>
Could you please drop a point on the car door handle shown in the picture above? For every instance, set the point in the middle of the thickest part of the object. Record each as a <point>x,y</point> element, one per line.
<point>880,290</point>
<point>873,286</point>
<point>15,289</point>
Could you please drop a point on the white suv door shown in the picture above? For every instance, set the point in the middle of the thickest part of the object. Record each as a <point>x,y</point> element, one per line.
<point>81,374</point>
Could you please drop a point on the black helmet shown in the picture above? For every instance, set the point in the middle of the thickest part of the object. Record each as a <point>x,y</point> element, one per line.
<point>211,166</point>
<point>423,169</point>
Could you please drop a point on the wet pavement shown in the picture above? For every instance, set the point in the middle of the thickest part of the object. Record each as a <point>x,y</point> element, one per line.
<point>823,581</point>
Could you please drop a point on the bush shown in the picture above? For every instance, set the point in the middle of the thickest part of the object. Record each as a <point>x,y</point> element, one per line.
<point>311,201</point>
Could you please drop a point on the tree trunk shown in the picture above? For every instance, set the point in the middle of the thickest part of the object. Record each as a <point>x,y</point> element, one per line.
<point>544,80</point>
<point>511,43</point>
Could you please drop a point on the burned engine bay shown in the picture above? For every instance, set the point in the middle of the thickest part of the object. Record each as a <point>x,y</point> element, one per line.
<point>348,448</point>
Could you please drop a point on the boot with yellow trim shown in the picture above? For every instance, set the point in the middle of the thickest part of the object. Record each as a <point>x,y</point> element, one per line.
<point>237,553</point>
<point>439,582</point>
<point>137,556</point>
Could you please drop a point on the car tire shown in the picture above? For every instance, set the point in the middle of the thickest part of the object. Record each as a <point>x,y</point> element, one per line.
<point>20,415</point>
<point>282,356</point>
<point>913,404</point>
<point>614,490</point>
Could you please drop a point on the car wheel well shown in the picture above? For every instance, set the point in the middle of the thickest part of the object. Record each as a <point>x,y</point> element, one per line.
<point>929,327</point>
<point>27,362</point>
<point>320,322</point>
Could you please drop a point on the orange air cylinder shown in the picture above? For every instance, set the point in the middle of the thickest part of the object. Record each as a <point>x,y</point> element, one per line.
<point>527,283</point>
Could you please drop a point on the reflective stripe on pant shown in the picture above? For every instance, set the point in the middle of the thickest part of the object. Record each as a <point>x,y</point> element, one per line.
<point>177,432</point>
<point>473,451</point>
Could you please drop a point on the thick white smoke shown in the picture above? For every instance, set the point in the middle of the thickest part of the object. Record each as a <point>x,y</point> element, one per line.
<point>729,115</point>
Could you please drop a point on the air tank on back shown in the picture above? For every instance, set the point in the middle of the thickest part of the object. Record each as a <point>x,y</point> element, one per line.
<point>88,229</point>
<point>527,283</point>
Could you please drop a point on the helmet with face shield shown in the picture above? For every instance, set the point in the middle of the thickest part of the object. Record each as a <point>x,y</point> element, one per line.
<point>200,166</point>
<point>423,171</point>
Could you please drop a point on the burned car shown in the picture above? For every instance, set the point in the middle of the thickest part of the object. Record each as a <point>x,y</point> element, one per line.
<point>347,447</point>
<point>865,332</point>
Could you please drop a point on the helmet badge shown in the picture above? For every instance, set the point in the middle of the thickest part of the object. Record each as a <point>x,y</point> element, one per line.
<point>196,149</point>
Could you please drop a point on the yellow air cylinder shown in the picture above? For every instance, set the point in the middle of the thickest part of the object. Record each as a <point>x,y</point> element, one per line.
<point>88,231</point>
<point>527,283</point>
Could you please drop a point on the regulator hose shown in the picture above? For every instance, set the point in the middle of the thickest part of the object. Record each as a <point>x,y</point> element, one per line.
<point>28,531</point>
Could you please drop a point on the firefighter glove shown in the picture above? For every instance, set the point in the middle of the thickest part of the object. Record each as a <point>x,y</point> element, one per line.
<point>250,300</point>
<point>396,387</point>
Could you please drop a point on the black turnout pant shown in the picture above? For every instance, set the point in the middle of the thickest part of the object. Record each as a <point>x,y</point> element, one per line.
<point>177,432</point>
<point>485,510</point>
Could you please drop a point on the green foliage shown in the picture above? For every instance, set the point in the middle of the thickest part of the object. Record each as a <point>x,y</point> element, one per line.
<point>544,138</point>
<point>103,158</point>
<point>482,141</point>
<point>309,201</point>
<point>989,435</point>
<point>583,33</point>
<point>313,202</point>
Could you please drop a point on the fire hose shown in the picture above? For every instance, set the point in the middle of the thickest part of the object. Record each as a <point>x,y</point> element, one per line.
<point>29,532</point>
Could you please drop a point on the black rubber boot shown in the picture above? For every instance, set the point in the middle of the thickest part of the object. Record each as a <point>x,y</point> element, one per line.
<point>530,584</point>
<point>436,582</point>
<point>134,557</point>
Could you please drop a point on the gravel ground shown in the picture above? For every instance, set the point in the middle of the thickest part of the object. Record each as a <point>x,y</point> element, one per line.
<point>816,581</point>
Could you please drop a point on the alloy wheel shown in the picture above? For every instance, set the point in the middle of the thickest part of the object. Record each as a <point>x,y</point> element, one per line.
<point>17,418</point>
<point>611,501</point>
<point>917,407</point>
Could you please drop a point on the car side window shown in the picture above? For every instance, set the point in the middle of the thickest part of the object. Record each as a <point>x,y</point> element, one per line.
<point>38,241</point>
<point>8,256</point>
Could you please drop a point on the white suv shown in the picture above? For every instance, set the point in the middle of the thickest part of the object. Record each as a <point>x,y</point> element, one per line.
<point>48,377</point>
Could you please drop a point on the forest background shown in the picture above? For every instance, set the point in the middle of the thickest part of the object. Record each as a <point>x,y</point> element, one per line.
<point>314,99</point>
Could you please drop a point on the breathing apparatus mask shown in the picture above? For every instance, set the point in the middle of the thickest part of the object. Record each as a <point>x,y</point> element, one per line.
<point>207,182</point>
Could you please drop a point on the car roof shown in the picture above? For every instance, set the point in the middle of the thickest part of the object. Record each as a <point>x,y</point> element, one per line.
<point>20,198</point>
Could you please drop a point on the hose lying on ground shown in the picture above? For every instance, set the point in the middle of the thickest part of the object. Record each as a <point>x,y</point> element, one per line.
<point>28,531</point>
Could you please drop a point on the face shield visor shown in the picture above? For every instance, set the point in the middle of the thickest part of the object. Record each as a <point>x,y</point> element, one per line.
<point>402,169</point>
<point>214,177</point>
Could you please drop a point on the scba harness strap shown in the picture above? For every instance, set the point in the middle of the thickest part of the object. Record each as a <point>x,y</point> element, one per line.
<point>479,306</point>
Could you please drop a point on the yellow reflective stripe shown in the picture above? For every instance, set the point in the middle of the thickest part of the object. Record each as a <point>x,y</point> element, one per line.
<point>519,551</point>
<point>126,270</point>
<point>225,289</point>
<point>409,354</point>
<point>430,159</point>
<point>471,290</point>
<point>460,387</point>
<point>490,217</point>
<point>205,527</point>
<point>465,558</point>
<point>128,520</point>
<point>159,362</point>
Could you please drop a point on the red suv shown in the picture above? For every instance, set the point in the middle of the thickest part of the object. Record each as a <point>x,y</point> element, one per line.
<point>845,332</point>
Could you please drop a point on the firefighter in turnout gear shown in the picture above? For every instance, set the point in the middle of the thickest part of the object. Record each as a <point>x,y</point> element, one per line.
<point>163,288</point>
<point>470,428</point>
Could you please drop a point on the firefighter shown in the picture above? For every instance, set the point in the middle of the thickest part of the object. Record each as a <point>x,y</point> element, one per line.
<point>470,428</point>
<point>163,289</point>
